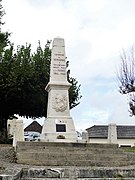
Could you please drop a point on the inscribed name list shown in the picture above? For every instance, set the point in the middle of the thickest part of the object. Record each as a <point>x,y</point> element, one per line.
<point>58,65</point>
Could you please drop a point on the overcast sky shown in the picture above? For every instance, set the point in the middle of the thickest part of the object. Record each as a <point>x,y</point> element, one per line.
<point>95,31</point>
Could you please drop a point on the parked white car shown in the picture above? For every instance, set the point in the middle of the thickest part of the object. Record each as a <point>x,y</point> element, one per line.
<point>31,136</point>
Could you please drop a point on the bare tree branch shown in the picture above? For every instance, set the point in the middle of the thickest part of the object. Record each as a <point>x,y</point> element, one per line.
<point>126,77</point>
<point>126,73</point>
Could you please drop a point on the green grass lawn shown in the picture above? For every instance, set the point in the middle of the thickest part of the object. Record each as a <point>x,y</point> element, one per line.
<point>128,149</point>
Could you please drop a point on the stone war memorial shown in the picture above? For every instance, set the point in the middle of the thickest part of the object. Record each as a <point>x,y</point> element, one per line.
<point>59,154</point>
<point>59,125</point>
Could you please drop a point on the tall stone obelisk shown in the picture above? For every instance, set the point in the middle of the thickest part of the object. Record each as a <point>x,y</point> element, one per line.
<point>58,126</point>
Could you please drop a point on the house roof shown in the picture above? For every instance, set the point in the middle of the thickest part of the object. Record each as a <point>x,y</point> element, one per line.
<point>99,131</point>
<point>34,126</point>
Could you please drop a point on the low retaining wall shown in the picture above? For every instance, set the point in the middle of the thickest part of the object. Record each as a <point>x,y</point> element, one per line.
<point>70,173</point>
<point>77,173</point>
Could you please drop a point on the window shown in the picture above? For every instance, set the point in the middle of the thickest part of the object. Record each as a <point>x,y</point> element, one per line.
<point>60,128</point>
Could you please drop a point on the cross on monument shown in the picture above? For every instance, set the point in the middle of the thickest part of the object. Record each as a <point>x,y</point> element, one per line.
<point>58,125</point>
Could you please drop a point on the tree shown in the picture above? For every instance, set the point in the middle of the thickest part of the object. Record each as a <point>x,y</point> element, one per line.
<point>23,77</point>
<point>4,42</point>
<point>126,77</point>
<point>2,12</point>
<point>4,36</point>
<point>74,91</point>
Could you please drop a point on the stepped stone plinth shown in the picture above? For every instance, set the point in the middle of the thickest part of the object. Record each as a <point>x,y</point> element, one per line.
<point>72,154</point>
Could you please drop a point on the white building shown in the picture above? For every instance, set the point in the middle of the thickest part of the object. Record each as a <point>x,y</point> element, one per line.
<point>125,135</point>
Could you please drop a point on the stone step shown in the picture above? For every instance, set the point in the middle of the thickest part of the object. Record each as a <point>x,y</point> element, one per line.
<point>78,179</point>
<point>43,145</point>
<point>73,156</point>
<point>33,146</point>
<point>77,150</point>
<point>65,151</point>
<point>78,173</point>
<point>85,163</point>
<point>35,160</point>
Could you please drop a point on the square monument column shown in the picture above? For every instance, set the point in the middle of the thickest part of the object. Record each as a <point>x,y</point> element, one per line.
<point>58,126</point>
<point>112,133</point>
<point>18,131</point>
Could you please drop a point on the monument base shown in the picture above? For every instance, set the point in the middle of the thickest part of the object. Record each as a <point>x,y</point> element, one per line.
<point>58,130</point>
